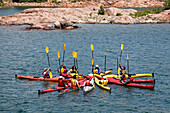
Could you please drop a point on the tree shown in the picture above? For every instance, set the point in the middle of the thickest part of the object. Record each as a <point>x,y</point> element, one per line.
<point>101,10</point>
<point>167,4</point>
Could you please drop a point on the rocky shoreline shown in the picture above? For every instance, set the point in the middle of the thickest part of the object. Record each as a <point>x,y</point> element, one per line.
<point>108,3</point>
<point>63,18</point>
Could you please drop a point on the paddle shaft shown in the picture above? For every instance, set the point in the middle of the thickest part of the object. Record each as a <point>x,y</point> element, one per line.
<point>120,55</point>
<point>48,60</point>
<point>128,65</point>
<point>117,62</point>
<point>105,65</point>
<point>63,56</point>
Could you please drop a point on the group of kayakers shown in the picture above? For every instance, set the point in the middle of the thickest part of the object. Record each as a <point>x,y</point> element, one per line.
<point>74,81</point>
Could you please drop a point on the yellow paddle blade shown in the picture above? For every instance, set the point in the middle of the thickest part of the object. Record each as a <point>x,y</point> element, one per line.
<point>92,61</point>
<point>46,49</point>
<point>127,57</point>
<point>62,70</point>
<point>58,54</point>
<point>64,46</point>
<point>118,72</point>
<point>117,55</point>
<point>92,47</point>
<point>105,51</point>
<point>122,47</point>
<point>75,54</point>
<point>50,74</point>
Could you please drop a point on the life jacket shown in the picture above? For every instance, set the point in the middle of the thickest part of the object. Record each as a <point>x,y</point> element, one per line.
<point>131,80</point>
<point>65,70</point>
<point>88,83</point>
<point>46,75</point>
<point>97,71</point>
<point>73,82</point>
<point>104,82</point>
<point>60,82</point>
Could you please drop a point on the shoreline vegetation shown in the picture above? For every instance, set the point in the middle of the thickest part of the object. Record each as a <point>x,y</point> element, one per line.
<point>65,18</point>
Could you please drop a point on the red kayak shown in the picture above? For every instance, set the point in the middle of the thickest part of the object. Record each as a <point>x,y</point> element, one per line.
<point>54,79</point>
<point>70,89</point>
<point>112,79</point>
<point>56,88</point>
<point>116,81</point>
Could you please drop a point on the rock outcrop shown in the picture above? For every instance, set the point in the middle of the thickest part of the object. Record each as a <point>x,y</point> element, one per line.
<point>63,18</point>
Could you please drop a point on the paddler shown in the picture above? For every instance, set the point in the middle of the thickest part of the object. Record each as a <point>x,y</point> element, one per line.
<point>104,81</point>
<point>97,69</point>
<point>61,82</point>
<point>88,82</point>
<point>74,82</point>
<point>45,73</point>
<point>65,69</point>
<point>73,70</point>
<point>123,72</point>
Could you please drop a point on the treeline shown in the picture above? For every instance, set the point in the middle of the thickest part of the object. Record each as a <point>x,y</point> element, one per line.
<point>38,1</point>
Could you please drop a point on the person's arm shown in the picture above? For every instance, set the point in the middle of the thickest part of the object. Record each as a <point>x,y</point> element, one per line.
<point>120,66</point>
<point>48,69</point>
<point>78,84</point>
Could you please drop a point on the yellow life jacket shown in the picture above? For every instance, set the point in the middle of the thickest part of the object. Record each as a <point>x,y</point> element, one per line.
<point>96,70</point>
<point>73,82</point>
<point>104,82</point>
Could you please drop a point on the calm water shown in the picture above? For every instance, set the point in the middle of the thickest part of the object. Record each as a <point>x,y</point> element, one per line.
<point>22,52</point>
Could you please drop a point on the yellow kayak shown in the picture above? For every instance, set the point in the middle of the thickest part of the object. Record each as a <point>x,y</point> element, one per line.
<point>101,85</point>
<point>132,75</point>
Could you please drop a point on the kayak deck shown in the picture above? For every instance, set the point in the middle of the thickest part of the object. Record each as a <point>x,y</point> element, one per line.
<point>101,85</point>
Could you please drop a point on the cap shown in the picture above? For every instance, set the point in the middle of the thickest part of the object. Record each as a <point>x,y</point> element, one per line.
<point>97,66</point>
<point>64,66</point>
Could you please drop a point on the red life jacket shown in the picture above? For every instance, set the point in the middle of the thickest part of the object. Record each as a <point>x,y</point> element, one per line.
<point>60,82</point>
<point>88,83</point>
<point>131,80</point>
<point>45,76</point>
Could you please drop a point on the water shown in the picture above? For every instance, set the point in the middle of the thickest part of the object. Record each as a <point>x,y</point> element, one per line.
<point>23,53</point>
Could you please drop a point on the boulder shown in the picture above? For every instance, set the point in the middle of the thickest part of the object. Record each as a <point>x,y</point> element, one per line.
<point>57,25</point>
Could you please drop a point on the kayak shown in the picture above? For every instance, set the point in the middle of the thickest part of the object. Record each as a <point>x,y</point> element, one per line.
<point>117,81</point>
<point>101,85</point>
<point>54,79</point>
<point>132,75</point>
<point>112,80</point>
<point>87,89</point>
<point>56,88</point>
<point>70,89</point>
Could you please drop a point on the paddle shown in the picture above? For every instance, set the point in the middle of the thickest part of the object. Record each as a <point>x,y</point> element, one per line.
<point>92,62</point>
<point>92,51</point>
<point>46,49</point>
<point>76,60</point>
<point>121,52</point>
<point>58,53</point>
<point>117,65</point>
<point>64,53</point>
<point>128,62</point>
<point>73,53</point>
<point>105,61</point>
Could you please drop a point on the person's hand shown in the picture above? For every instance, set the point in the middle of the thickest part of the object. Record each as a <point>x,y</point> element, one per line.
<point>49,68</point>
